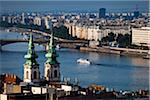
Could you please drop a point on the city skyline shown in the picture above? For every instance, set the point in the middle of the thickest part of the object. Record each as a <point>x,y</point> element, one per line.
<point>74,49</point>
<point>73,6</point>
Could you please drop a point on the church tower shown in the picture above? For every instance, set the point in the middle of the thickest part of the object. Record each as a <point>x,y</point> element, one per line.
<point>31,67</point>
<point>52,68</point>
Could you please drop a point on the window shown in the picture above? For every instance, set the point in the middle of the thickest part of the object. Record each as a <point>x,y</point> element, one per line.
<point>27,75</point>
<point>35,75</point>
<point>55,73</point>
<point>48,73</point>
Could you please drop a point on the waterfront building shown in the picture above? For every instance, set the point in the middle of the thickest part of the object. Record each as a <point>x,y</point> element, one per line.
<point>102,13</point>
<point>31,67</point>
<point>92,33</point>
<point>141,36</point>
<point>52,68</point>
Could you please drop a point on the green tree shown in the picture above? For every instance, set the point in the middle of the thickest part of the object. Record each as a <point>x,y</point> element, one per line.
<point>111,37</point>
<point>124,40</point>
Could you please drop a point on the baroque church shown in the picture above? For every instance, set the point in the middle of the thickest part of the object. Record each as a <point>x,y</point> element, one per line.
<point>51,66</point>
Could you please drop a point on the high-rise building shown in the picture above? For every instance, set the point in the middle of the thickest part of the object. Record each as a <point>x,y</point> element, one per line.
<point>102,13</point>
<point>23,19</point>
<point>52,68</point>
<point>31,67</point>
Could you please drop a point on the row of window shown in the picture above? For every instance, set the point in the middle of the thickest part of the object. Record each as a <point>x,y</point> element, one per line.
<point>55,73</point>
<point>35,74</point>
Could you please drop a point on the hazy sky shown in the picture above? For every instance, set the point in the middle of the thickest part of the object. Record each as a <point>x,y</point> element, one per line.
<point>74,0</point>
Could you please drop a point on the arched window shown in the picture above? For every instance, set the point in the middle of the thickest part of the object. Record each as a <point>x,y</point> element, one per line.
<point>35,75</point>
<point>55,73</point>
<point>27,75</point>
<point>48,73</point>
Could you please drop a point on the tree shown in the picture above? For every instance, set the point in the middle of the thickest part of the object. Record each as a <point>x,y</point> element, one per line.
<point>111,37</point>
<point>124,40</point>
<point>62,32</point>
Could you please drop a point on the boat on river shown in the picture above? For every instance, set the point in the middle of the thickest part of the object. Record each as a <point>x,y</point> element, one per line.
<point>58,47</point>
<point>83,61</point>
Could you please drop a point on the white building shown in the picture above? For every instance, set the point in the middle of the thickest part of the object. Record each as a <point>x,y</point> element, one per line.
<point>37,21</point>
<point>46,23</point>
<point>9,19</point>
<point>141,36</point>
<point>38,90</point>
<point>3,18</point>
<point>94,33</point>
<point>23,18</point>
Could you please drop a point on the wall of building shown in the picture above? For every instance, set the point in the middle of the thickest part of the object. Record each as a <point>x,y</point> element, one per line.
<point>3,97</point>
<point>93,32</point>
<point>141,36</point>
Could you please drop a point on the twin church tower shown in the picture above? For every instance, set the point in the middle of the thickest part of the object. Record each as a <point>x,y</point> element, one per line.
<point>51,66</point>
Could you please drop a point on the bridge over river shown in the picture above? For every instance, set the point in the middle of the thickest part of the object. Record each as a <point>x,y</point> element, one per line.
<point>39,37</point>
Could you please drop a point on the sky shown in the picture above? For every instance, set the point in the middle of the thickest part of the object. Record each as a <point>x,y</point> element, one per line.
<point>74,0</point>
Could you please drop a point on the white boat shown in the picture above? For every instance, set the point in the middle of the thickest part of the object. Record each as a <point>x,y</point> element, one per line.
<point>83,61</point>
<point>58,47</point>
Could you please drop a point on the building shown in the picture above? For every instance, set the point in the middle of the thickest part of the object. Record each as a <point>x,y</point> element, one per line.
<point>52,68</point>
<point>31,66</point>
<point>37,21</point>
<point>3,18</point>
<point>136,14</point>
<point>9,19</point>
<point>10,79</point>
<point>141,36</point>
<point>102,13</point>
<point>7,81</point>
<point>11,88</point>
<point>23,18</point>
<point>46,23</point>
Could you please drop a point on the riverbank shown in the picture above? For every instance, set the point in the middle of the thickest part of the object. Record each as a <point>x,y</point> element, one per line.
<point>119,51</point>
<point>110,50</point>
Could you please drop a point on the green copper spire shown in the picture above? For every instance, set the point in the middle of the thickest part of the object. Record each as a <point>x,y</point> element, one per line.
<point>51,54</point>
<point>31,55</point>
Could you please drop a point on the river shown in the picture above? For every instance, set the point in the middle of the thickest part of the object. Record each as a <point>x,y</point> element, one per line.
<point>112,71</point>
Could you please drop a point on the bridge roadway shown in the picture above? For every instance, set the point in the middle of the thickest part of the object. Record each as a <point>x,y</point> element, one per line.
<point>40,41</point>
<point>28,31</point>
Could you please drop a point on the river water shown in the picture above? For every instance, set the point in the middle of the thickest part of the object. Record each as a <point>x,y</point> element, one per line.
<point>112,71</point>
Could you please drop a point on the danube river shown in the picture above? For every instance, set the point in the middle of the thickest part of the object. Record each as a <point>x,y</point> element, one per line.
<point>114,71</point>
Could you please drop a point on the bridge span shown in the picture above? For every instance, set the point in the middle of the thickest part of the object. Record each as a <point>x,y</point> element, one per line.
<point>40,41</point>
<point>42,37</point>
